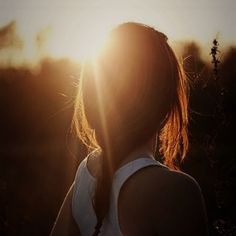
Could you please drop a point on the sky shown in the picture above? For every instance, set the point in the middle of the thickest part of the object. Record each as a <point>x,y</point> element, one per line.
<point>67,27</point>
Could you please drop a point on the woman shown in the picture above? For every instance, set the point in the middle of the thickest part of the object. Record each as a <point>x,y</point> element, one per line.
<point>131,105</point>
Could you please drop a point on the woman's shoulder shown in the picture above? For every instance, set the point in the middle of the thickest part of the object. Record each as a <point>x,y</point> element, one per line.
<point>164,197</point>
<point>157,181</point>
<point>155,184</point>
<point>159,176</point>
<point>176,186</point>
<point>172,178</point>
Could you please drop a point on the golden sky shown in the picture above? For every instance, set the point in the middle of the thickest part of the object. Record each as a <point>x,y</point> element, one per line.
<point>67,27</point>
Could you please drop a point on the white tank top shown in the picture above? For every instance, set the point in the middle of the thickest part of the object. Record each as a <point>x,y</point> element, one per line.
<point>84,188</point>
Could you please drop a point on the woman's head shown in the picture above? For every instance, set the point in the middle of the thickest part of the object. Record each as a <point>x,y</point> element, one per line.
<point>132,90</point>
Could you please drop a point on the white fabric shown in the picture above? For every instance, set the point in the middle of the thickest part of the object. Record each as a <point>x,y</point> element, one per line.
<point>82,208</point>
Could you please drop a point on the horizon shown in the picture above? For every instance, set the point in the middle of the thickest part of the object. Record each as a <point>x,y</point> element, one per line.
<point>58,29</point>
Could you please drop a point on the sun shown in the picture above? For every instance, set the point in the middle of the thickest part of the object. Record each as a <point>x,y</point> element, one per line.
<point>90,43</point>
<point>79,42</point>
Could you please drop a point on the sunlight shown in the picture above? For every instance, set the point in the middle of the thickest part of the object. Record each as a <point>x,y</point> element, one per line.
<point>97,75</point>
<point>75,29</point>
<point>85,42</point>
<point>90,42</point>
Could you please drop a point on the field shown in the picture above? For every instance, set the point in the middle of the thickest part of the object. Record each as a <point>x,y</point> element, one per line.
<point>39,154</point>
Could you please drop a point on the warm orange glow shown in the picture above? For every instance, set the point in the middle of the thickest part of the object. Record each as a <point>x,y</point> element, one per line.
<point>74,29</point>
<point>85,43</point>
<point>77,43</point>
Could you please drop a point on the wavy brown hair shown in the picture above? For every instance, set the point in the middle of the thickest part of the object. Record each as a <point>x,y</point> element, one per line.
<point>133,90</point>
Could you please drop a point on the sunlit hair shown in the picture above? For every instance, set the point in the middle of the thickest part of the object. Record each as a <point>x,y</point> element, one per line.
<point>133,90</point>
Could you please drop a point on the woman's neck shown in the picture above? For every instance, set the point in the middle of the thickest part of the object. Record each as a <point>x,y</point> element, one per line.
<point>94,162</point>
<point>146,148</point>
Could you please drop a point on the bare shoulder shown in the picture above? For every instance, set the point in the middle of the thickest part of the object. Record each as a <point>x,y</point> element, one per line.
<point>154,179</point>
<point>168,202</point>
<point>173,181</point>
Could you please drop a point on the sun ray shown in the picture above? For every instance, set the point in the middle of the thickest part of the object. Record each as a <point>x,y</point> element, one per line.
<point>96,77</point>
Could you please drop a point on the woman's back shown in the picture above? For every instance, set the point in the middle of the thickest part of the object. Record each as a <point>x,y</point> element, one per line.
<point>144,195</point>
<point>134,95</point>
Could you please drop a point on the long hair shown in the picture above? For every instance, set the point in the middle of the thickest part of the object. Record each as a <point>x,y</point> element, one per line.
<point>133,90</point>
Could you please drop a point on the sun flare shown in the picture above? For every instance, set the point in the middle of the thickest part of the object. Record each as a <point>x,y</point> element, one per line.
<point>79,42</point>
<point>85,43</point>
<point>75,29</point>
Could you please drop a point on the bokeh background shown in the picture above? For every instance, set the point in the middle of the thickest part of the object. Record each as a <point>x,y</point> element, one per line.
<point>41,48</point>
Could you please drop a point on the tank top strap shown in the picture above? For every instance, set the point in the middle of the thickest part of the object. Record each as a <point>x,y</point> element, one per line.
<point>127,170</point>
<point>120,177</point>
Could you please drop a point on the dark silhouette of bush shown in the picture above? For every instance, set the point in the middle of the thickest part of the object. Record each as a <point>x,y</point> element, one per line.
<point>39,155</point>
